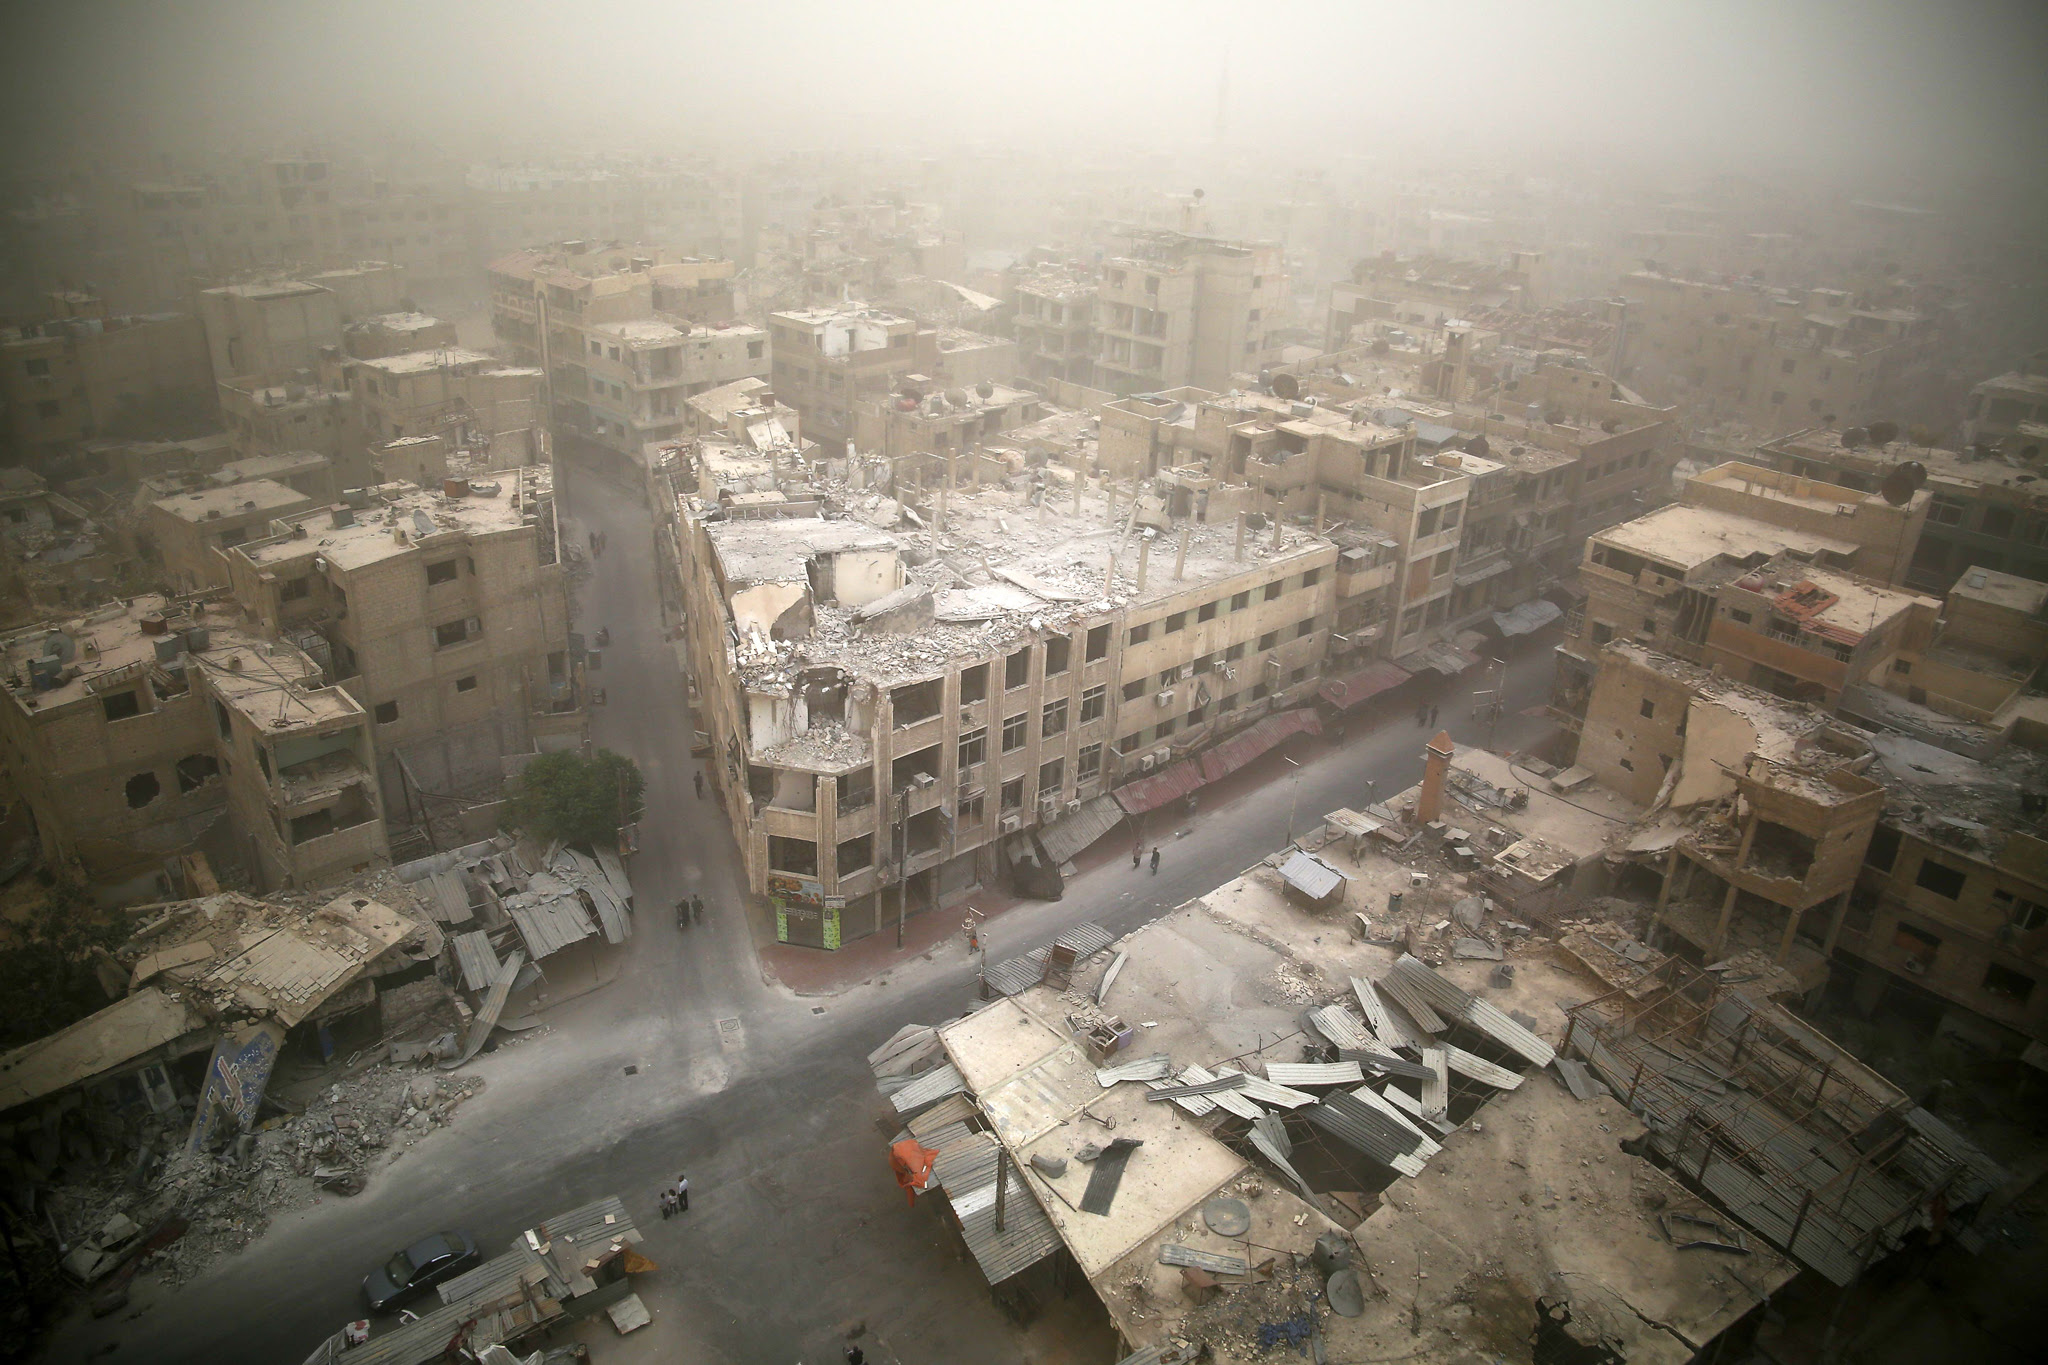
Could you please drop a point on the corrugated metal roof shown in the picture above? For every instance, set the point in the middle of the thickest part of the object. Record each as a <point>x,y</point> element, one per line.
<point>1411,1001</point>
<point>929,1089</point>
<point>967,1173</point>
<point>548,925</point>
<point>1436,1091</point>
<point>1269,1135</point>
<point>1156,1067</point>
<point>1479,1069</point>
<point>1315,1073</point>
<point>489,1008</point>
<point>476,958</point>
<point>1235,752</point>
<point>1341,1027</point>
<point>1063,838</point>
<point>1365,1094</point>
<point>1365,1129</point>
<point>1984,1174</point>
<point>1310,875</point>
<point>1168,784</point>
<point>1014,975</point>
<point>450,901</point>
<point>1377,1017</point>
<point>1531,616</point>
<point>1410,977</point>
<point>952,1109</point>
<point>1360,687</point>
<point>1270,1092</point>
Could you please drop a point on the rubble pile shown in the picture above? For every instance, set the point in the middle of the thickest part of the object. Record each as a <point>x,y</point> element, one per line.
<point>332,1146</point>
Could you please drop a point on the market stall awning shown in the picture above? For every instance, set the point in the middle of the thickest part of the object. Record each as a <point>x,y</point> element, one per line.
<point>1530,616</point>
<point>1310,875</point>
<point>1362,686</point>
<point>1446,659</point>
<point>1168,784</point>
<point>1065,837</point>
<point>1465,578</point>
<point>1241,749</point>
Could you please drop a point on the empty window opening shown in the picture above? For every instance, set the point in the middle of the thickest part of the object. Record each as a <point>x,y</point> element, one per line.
<point>974,683</point>
<point>918,701</point>
<point>1098,643</point>
<point>1940,878</point>
<point>121,705</point>
<point>143,788</point>
<point>1779,851</point>
<point>793,855</point>
<point>196,770</point>
<point>1017,669</point>
<point>856,854</point>
<point>1058,649</point>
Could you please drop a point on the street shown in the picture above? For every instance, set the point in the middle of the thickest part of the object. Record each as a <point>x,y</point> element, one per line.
<point>796,1229</point>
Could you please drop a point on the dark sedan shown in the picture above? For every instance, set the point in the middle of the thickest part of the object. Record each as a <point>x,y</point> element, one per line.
<point>418,1268</point>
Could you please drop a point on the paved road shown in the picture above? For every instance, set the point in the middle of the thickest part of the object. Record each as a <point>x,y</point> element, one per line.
<point>796,1229</point>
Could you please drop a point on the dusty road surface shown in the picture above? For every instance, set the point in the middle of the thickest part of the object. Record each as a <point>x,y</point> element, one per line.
<point>762,1096</point>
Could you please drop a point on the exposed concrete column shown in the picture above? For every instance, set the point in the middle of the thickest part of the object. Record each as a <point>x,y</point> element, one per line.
<point>1436,764</point>
<point>1322,500</point>
<point>1237,551</point>
<point>1144,555</point>
<point>1663,895</point>
<point>1721,924</point>
<point>1827,949</point>
<point>1792,917</point>
<point>1180,561</point>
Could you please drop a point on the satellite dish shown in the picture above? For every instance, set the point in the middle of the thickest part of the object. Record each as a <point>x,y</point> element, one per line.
<point>1903,482</point>
<point>986,390</point>
<point>1286,386</point>
<point>957,397</point>
<point>1854,437</point>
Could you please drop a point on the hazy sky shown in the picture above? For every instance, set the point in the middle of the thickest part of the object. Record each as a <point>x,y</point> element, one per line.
<point>1849,83</point>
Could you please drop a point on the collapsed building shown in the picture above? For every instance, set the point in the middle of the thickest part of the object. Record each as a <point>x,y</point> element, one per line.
<point>1245,1127</point>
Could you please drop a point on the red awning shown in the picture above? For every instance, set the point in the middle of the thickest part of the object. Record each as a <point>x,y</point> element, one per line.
<point>1365,684</point>
<point>1234,753</point>
<point>1169,783</point>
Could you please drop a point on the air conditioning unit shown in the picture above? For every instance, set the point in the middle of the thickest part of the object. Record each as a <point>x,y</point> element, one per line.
<point>1073,807</point>
<point>1010,824</point>
<point>1163,699</point>
<point>1187,671</point>
<point>1274,673</point>
<point>1145,763</point>
<point>1162,757</point>
<point>1229,671</point>
<point>922,781</point>
<point>1049,806</point>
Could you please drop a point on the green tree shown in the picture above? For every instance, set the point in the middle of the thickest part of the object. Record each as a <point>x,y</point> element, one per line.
<point>577,799</point>
<point>47,980</point>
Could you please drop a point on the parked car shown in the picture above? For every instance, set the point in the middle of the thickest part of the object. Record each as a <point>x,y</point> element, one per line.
<point>417,1269</point>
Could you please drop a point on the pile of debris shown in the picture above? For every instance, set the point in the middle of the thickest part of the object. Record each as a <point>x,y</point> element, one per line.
<point>333,1145</point>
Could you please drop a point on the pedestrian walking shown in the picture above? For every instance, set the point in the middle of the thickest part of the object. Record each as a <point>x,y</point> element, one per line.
<point>668,1204</point>
<point>697,908</point>
<point>1155,862</point>
<point>856,1356</point>
<point>682,1194</point>
<point>1137,857</point>
<point>683,913</point>
<point>699,776</point>
<point>1432,718</point>
<point>1421,715</point>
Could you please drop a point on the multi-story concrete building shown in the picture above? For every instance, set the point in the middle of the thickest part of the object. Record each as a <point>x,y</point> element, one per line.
<point>443,612</point>
<point>917,431</point>
<point>383,334</point>
<point>1984,511</point>
<point>1054,322</point>
<point>275,327</point>
<point>880,725</point>
<point>83,375</point>
<point>622,334</point>
<point>476,400</point>
<point>827,361</point>
<point>129,732</point>
<point>1173,310</point>
<point>313,412</point>
<point>192,529</point>
<point>2009,414</point>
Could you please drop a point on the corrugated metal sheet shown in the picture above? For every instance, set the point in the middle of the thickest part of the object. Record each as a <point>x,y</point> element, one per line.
<point>1376,1016</point>
<point>1410,978</point>
<point>476,958</point>
<point>1170,783</point>
<point>952,1109</point>
<point>1411,1001</point>
<point>1479,1069</point>
<point>1269,1135</point>
<point>1015,975</point>
<point>1065,837</point>
<point>1235,752</point>
<point>1984,1174</point>
<point>450,901</point>
<point>1436,1091</point>
<point>1173,1253</point>
<point>1214,1085</point>
<point>1489,1020</point>
<point>1156,1067</point>
<point>1310,875</point>
<point>1266,1092</point>
<point>1360,687</point>
<point>1365,1129</point>
<point>615,873</point>
<point>487,1012</point>
<point>967,1173</point>
<point>571,1238</point>
<point>907,1050</point>
<point>1229,1101</point>
<point>929,1089</point>
<point>550,925</point>
<point>493,1319</point>
<point>1530,616</point>
<point>1341,1027</point>
<point>1365,1094</point>
<point>1315,1073</point>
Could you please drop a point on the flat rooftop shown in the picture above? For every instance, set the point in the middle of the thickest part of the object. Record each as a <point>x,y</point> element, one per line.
<point>236,500</point>
<point>400,322</point>
<point>1963,467</point>
<point>1972,805</point>
<point>1690,537</point>
<point>418,362</point>
<point>1995,589</point>
<point>268,466</point>
<point>274,289</point>
<point>641,332</point>
<point>420,513</point>
<point>848,313</point>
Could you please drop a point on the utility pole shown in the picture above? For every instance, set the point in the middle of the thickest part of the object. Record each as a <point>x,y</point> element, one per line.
<point>902,855</point>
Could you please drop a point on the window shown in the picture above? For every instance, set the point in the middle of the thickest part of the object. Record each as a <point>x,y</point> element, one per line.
<point>456,632</point>
<point>1259,691</point>
<point>1051,776</point>
<point>1269,639</point>
<point>466,683</point>
<point>1207,611</point>
<point>793,855</point>
<point>1229,703</point>
<point>974,683</point>
<point>1241,601</point>
<point>444,572</point>
<point>1273,590</point>
<point>1013,794</point>
<point>856,854</point>
<point>385,712</point>
<point>121,705</point>
<point>1098,644</point>
<point>1940,878</point>
<point>1166,727</point>
<point>1778,396</point>
<point>36,368</point>
<point>1901,666</point>
<point>1205,663</point>
<point>1093,702</point>
<point>1945,511</point>
<point>1088,764</point>
<point>143,788</point>
<point>1013,733</point>
<point>1058,650</point>
<point>1998,521</point>
<point>1017,669</point>
<point>973,747</point>
<point>194,771</point>
<point>1311,577</point>
<point>754,350</point>
<point>1648,708</point>
<point>2007,984</point>
<point>1127,743</point>
<point>1305,628</point>
<point>292,589</point>
<point>1137,635</point>
<point>1168,677</point>
<point>2025,916</point>
<point>971,810</point>
<point>1739,616</point>
<point>1052,720</point>
<point>1177,621</point>
<point>1195,714</point>
<point>1602,632</point>
<point>1917,945</point>
<point>1134,689</point>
